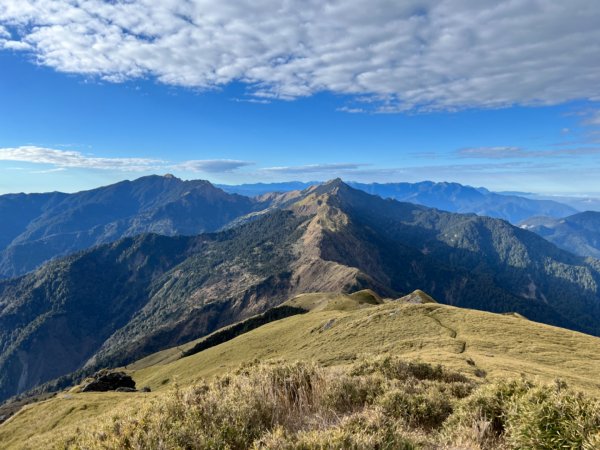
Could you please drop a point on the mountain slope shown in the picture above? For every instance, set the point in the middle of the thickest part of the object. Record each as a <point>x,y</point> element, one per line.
<point>468,341</point>
<point>579,233</point>
<point>329,237</point>
<point>451,197</point>
<point>40,227</point>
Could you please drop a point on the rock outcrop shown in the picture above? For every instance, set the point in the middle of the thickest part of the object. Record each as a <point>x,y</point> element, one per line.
<point>105,380</point>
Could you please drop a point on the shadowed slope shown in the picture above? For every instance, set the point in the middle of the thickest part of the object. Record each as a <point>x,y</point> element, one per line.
<point>579,233</point>
<point>44,226</point>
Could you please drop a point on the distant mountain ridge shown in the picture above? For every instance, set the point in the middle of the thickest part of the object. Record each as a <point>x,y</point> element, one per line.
<point>39,227</point>
<point>579,233</point>
<point>446,196</point>
<point>115,303</point>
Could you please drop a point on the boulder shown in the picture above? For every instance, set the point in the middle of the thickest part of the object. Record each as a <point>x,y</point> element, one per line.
<point>105,380</point>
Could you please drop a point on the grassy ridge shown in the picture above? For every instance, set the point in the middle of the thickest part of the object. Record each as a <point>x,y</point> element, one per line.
<point>482,346</point>
<point>380,403</point>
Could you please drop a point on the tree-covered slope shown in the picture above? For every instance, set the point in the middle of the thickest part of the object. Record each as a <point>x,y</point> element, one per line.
<point>38,227</point>
<point>473,261</point>
<point>579,233</point>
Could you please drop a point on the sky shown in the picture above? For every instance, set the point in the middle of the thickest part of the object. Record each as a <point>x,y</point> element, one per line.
<point>501,94</point>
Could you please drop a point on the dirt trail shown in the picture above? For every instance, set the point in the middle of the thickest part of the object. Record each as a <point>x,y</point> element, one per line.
<point>453,332</point>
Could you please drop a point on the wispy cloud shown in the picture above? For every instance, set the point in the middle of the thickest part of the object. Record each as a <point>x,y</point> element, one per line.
<point>212,165</point>
<point>54,170</point>
<point>491,152</point>
<point>74,159</point>
<point>518,152</point>
<point>351,110</point>
<point>403,55</point>
<point>333,168</point>
<point>68,159</point>
<point>593,118</point>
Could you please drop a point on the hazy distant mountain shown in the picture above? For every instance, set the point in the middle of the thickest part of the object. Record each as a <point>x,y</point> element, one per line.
<point>257,189</point>
<point>579,233</point>
<point>587,203</point>
<point>451,197</point>
<point>37,227</point>
<point>117,302</point>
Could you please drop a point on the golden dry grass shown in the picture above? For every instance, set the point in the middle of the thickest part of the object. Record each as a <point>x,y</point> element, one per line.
<point>471,342</point>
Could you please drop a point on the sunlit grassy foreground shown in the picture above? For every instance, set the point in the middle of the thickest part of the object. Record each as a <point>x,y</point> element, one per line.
<point>357,384</point>
<point>384,403</point>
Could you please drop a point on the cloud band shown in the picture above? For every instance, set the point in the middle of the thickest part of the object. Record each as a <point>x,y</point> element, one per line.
<point>397,55</point>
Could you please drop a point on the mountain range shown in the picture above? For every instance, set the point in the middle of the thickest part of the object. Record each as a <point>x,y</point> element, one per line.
<point>446,196</point>
<point>579,233</point>
<point>44,226</point>
<point>50,225</point>
<point>117,302</point>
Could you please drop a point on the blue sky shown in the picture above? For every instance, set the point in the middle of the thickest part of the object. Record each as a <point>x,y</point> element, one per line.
<point>405,95</point>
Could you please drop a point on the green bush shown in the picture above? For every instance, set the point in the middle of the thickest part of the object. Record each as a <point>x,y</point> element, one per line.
<point>366,430</point>
<point>426,409</point>
<point>549,418</point>
<point>525,415</point>
<point>395,368</point>
<point>346,394</point>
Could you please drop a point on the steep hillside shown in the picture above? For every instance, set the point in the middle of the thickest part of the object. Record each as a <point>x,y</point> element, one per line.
<point>137,295</point>
<point>451,197</point>
<point>327,238</point>
<point>463,260</point>
<point>39,227</point>
<point>338,333</point>
<point>579,233</point>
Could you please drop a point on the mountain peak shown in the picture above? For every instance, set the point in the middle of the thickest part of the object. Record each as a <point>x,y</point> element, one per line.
<point>335,182</point>
<point>332,186</point>
<point>170,176</point>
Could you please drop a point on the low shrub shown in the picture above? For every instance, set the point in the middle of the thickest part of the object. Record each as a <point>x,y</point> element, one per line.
<point>426,409</point>
<point>366,430</point>
<point>520,414</point>
<point>399,369</point>
<point>548,417</point>
<point>374,404</point>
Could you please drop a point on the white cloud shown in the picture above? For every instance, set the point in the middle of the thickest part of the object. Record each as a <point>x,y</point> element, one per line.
<point>68,159</point>
<point>14,45</point>
<point>54,170</point>
<point>592,119</point>
<point>491,152</point>
<point>315,168</point>
<point>352,110</point>
<point>414,54</point>
<point>212,165</point>
<point>518,152</point>
<point>73,159</point>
